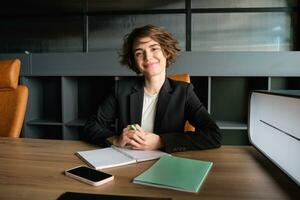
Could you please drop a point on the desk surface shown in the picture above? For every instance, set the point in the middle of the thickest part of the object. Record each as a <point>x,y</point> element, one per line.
<point>33,169</point>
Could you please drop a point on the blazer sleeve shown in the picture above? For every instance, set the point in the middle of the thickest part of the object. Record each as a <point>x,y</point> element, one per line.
<point>207,134</point>
<point>98,126</point>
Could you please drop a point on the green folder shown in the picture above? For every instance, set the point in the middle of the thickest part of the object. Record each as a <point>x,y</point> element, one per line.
<point>175,173</point>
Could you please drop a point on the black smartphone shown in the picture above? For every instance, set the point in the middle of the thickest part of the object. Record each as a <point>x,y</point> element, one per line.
<point>89,175</point>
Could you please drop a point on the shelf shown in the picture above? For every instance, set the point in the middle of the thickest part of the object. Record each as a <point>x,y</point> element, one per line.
<point>77,122</point>
<point>44,122</point>
<point>230,125</point>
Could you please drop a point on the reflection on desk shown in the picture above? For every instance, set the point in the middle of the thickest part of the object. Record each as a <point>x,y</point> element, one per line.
<point>33,169</point>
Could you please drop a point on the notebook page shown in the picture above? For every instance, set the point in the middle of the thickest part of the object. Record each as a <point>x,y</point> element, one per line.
<point>105,158</point>
<point>141,155</point>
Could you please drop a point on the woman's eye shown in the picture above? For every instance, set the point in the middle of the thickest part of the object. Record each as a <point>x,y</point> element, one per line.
<point>138,54</point>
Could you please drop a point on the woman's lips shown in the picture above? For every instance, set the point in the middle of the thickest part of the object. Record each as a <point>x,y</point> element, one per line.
<point>150,64</point>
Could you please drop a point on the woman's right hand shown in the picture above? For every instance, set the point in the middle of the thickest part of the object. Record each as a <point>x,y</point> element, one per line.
<point>131,138</point>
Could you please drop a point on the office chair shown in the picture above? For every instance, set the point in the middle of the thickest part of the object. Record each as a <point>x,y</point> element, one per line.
<point>184,78</point>
<point>13,99</point>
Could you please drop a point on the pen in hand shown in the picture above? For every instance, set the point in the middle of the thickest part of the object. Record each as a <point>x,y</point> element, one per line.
<point>138,136</point>
<point>132,126</point>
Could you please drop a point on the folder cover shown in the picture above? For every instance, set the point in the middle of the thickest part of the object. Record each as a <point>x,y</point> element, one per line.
<point>176,173</point>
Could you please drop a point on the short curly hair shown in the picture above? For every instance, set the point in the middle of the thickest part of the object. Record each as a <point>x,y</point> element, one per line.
<point>168,43</point>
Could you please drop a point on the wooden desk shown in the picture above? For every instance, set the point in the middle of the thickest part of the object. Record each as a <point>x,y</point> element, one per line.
<point>33,169</point>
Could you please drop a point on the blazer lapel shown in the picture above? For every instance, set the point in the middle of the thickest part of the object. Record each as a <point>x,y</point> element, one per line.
<point>136,103</point>
<point>162,104</point>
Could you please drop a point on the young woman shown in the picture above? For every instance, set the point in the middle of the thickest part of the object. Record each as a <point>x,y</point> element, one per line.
<point>156,105</point>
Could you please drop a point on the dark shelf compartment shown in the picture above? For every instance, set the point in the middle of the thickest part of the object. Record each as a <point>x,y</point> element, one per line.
<point>201,88</point>
<point>83,95</point>
<point>235,137</point>
<point>44,131</point>
<point>229,99</point>
<point>44,99</point>
<point>285,83</point>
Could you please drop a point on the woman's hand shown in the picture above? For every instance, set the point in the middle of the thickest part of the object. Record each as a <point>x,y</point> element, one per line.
<point>152,141</point>
<point>138,139</point>
<point>130,137</point>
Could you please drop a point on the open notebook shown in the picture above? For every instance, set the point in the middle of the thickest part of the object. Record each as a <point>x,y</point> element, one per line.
<point>114,156</point>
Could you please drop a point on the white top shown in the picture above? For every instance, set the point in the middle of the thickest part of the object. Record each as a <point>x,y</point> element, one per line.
<point>149,111</point>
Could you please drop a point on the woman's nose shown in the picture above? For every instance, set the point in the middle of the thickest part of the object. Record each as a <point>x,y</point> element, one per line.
<point>147,55</point>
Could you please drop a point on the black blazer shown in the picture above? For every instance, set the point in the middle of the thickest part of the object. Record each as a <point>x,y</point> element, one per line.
<point>177,103</point>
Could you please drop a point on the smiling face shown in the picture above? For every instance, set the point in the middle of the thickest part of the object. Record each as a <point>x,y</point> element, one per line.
<point>149,57</point>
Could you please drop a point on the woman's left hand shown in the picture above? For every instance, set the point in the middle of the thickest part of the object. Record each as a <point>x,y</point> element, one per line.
<point>152,141</point>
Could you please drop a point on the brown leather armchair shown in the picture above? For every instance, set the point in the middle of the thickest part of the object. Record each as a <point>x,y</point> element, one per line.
<point>184,78</point>
<point>13,99</point>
